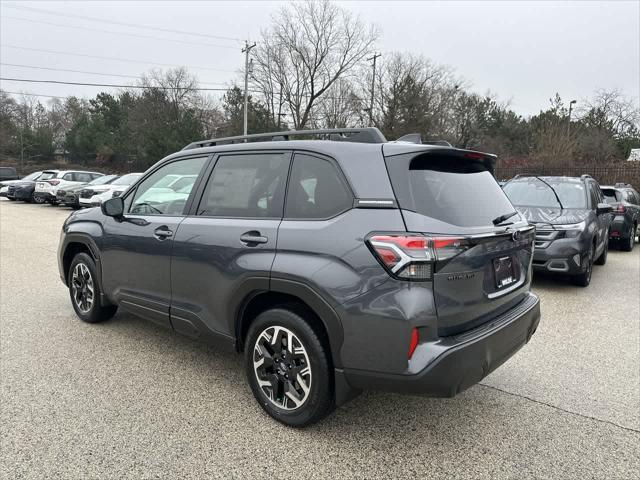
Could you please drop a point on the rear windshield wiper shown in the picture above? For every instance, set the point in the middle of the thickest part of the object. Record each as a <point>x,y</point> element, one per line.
<point>503,218</point>
<point>553,190</point>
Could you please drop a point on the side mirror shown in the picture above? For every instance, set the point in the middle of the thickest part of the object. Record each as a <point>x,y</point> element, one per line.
<point>114,207</point>
<point>604,208</point>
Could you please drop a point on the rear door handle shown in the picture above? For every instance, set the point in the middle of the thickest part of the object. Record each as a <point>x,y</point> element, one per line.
<point>253,238</point>
<point>162,232</point>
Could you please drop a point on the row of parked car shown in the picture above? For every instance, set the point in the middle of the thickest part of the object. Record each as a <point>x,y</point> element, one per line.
<point>73,188</point>
<point>576,220</point>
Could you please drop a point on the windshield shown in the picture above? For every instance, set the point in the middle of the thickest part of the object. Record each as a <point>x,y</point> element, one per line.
<point>105,179</point>
<point>533,192</point>
<point>127,179</point>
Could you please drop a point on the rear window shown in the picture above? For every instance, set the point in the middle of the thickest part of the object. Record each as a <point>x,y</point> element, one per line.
<point>611,195</point>
<point>452,190</point>
<point>47,175</point>
<point>7,171</point>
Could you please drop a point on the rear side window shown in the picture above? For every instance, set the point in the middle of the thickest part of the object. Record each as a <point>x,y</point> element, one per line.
<point>317,189</point>
<point>68,176</point>
<point>7,171</point>
<point>630,197</point>
<point>246,186</point>
<point>82,177</point>
<point>47,175</point>
<point>451,190</point>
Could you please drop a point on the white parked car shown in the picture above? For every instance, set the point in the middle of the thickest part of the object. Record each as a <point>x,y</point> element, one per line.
<point>177,188</point>
<point>47,190</point>
<point>94,196</point>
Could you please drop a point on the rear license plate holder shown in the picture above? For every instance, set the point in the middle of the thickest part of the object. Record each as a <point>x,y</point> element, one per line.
<point>503,271</point>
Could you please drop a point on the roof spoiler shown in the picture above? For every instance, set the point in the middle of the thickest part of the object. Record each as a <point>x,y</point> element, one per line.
<point>417,138</point>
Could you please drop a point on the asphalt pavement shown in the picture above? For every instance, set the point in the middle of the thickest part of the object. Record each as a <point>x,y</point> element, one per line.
<point>128,399</point>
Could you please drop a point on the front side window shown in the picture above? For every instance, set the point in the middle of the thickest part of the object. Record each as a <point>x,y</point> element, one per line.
<point>246,186</point>
<point>82,177</point>
<point>152,197</point>
<point>316,189</point>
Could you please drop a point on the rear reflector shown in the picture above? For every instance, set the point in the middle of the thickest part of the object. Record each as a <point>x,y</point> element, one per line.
<point>413,342</point>
<point>53,182</point>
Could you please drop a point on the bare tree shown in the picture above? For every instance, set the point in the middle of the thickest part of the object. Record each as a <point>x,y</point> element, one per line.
<point>341,107</point>
<point>309,46</point>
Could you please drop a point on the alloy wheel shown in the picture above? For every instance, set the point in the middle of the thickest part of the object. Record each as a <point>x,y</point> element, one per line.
<point>590,264</point>
<point>82,288</point>
<point>282,368</point>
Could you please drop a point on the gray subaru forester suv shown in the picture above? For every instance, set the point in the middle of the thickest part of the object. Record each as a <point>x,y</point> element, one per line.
<point>336,263</point>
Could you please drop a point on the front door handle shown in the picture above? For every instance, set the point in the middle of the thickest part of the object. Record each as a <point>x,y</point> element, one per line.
<point>162,232</point>
<point>253,238</point>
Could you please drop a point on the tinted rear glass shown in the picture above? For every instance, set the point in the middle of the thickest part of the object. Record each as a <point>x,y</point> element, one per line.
<point>47,175</point>
<point>534,192</point>
<point>610,195</point>
<point>451,190</point>
<point>7,171</point>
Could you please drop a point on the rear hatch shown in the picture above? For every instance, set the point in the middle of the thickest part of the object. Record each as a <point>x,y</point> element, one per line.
<point>482,265</point>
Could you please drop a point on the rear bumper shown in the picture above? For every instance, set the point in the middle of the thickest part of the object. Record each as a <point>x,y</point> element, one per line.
<point>463,360</point>
<point>619,227</point>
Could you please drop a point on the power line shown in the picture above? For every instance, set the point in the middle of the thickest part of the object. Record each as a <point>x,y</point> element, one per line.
<point>91,29</point>
<point>113,22</point>
<point>34,94</point>
<point>113,85</point>
<point>89,73</point>
<point>117,59</point>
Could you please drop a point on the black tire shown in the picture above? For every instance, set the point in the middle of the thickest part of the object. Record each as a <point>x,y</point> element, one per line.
<point>96,311</point>
<point>319,400</point>
<point>584,279</point>
<point>628,242</point>
<point>37,199</point>
<point>13,199</point>
<point>602,259</point>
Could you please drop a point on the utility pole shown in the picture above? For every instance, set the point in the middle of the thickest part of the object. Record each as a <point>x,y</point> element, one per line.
<point>569,122</point>
<point>373,85</point>
<point>247,48</point>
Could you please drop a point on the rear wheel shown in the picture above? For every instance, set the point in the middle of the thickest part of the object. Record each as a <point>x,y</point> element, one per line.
<point>584,279</point>
<point>288,368</point>
<point>84,290</point>
<point>629,241</point>
<point>37,199</point>
<point>12,199</point>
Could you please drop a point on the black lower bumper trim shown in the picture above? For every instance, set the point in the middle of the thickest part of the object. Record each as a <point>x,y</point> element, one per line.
<point>463,365</point>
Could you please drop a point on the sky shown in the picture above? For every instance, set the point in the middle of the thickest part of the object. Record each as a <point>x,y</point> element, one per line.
<point>522,51</point>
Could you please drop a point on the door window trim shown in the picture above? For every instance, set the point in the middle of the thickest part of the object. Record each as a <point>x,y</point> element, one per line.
<point>193,210</point>
<point>134,187</point>
<point>341,176</point>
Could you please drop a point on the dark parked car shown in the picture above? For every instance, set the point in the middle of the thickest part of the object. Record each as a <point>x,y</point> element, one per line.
<point>8,173</point>
<point>335,265</point>
<point>626,208</point>
<point>70,196</point>
<point>4,185</point>
<point>572,222</point>
<point>25,190</point>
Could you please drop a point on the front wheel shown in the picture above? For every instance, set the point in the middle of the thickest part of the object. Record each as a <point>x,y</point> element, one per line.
<point>288,368</point>
<point>602,259</point>
<point>84,291</point>
<point>584,279</point>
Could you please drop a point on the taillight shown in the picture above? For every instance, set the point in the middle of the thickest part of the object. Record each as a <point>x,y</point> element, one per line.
<point>620,208</point>
<point>53,182</point>
<point>413,257</point>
